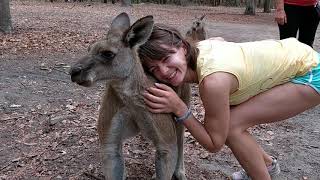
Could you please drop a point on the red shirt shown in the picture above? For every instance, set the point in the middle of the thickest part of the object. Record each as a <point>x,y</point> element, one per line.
<point>301,2</point>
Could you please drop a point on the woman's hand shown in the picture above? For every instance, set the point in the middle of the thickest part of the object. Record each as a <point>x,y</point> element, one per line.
<point>162,99</point>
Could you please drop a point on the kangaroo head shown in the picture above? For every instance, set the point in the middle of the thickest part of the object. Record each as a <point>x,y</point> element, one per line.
<point>114,56</point>
<point>198,24</point>
<point>197,32</point>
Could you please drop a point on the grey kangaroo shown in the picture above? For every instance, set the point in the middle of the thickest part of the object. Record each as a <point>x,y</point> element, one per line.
<point>198,31</point>
<point>123,113</point>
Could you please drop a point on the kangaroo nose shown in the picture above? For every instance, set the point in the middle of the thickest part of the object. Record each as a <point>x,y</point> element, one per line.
<point>74,72</point>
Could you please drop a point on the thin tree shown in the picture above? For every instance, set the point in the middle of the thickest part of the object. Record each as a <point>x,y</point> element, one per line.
<point>5,17</point>
<point>267,6</point>
<point>250,7</point>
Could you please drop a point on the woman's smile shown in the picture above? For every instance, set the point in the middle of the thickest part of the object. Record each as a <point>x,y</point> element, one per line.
<point>172,75</point>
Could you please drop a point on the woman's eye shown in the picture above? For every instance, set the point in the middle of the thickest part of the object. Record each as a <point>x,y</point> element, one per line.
<point>107,54</point>
<point>151,69</point>
<point>166,59</point>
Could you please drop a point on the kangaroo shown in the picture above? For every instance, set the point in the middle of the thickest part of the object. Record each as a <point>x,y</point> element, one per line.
<point>197,32</point>
<point>123,113</point>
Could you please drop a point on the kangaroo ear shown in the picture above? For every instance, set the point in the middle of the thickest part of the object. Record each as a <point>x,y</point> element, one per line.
<point>121,22</point>
<point>139,32</point>
<point>201,18</point>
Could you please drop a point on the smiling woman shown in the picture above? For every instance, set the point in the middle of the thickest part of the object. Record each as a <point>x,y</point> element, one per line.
<point>168,56</point>
<point>232,74</point>
<point>170,69</point>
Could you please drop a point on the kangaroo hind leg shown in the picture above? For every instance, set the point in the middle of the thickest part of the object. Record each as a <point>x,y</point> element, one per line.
<point>113,162</point>
<point>180,173</point>
<point>162,133</point>
<point>165,161</point>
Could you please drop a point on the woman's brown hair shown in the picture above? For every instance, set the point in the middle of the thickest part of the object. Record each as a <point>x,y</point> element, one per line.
<point>159,45</point>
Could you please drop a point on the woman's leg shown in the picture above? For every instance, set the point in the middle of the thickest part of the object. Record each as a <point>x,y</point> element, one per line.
<point>278,103</point>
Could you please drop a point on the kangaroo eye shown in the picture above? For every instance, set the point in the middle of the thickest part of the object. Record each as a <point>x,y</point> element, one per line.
<point>107,55</point>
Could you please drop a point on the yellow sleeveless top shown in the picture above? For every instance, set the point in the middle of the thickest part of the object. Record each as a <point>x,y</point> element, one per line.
<point>258,66</point>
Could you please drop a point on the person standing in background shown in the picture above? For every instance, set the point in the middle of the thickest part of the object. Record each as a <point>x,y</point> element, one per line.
<point>294,15</point>
<point>240,85</point>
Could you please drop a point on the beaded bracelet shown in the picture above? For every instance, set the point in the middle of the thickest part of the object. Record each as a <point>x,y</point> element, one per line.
<point>184,117</point>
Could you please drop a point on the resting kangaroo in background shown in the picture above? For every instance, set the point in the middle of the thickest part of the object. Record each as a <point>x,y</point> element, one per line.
<point>123,113</point>
<point>197,32</point>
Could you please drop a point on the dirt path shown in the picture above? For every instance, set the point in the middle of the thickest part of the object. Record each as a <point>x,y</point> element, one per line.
<point>47,127</point>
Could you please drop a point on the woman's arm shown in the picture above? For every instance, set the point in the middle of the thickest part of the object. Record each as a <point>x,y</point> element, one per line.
<point>214,92</point>
<point>280,15</point>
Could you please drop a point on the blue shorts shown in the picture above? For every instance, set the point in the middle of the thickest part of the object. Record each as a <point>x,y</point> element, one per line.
<point>312,78</point>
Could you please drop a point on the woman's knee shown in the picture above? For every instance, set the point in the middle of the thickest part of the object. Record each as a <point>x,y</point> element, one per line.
<point>238,122</point>
<point>234,131</point>
<point>233,136</point>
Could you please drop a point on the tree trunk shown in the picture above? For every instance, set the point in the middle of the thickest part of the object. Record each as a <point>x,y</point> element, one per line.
<point>5,17</point>
<point>250,7</point>
<point>183,2</point>
<point>267,6</point>
<point>237,2</point>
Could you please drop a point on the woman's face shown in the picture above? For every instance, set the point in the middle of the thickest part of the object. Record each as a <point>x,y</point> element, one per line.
<point>171,69</point>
